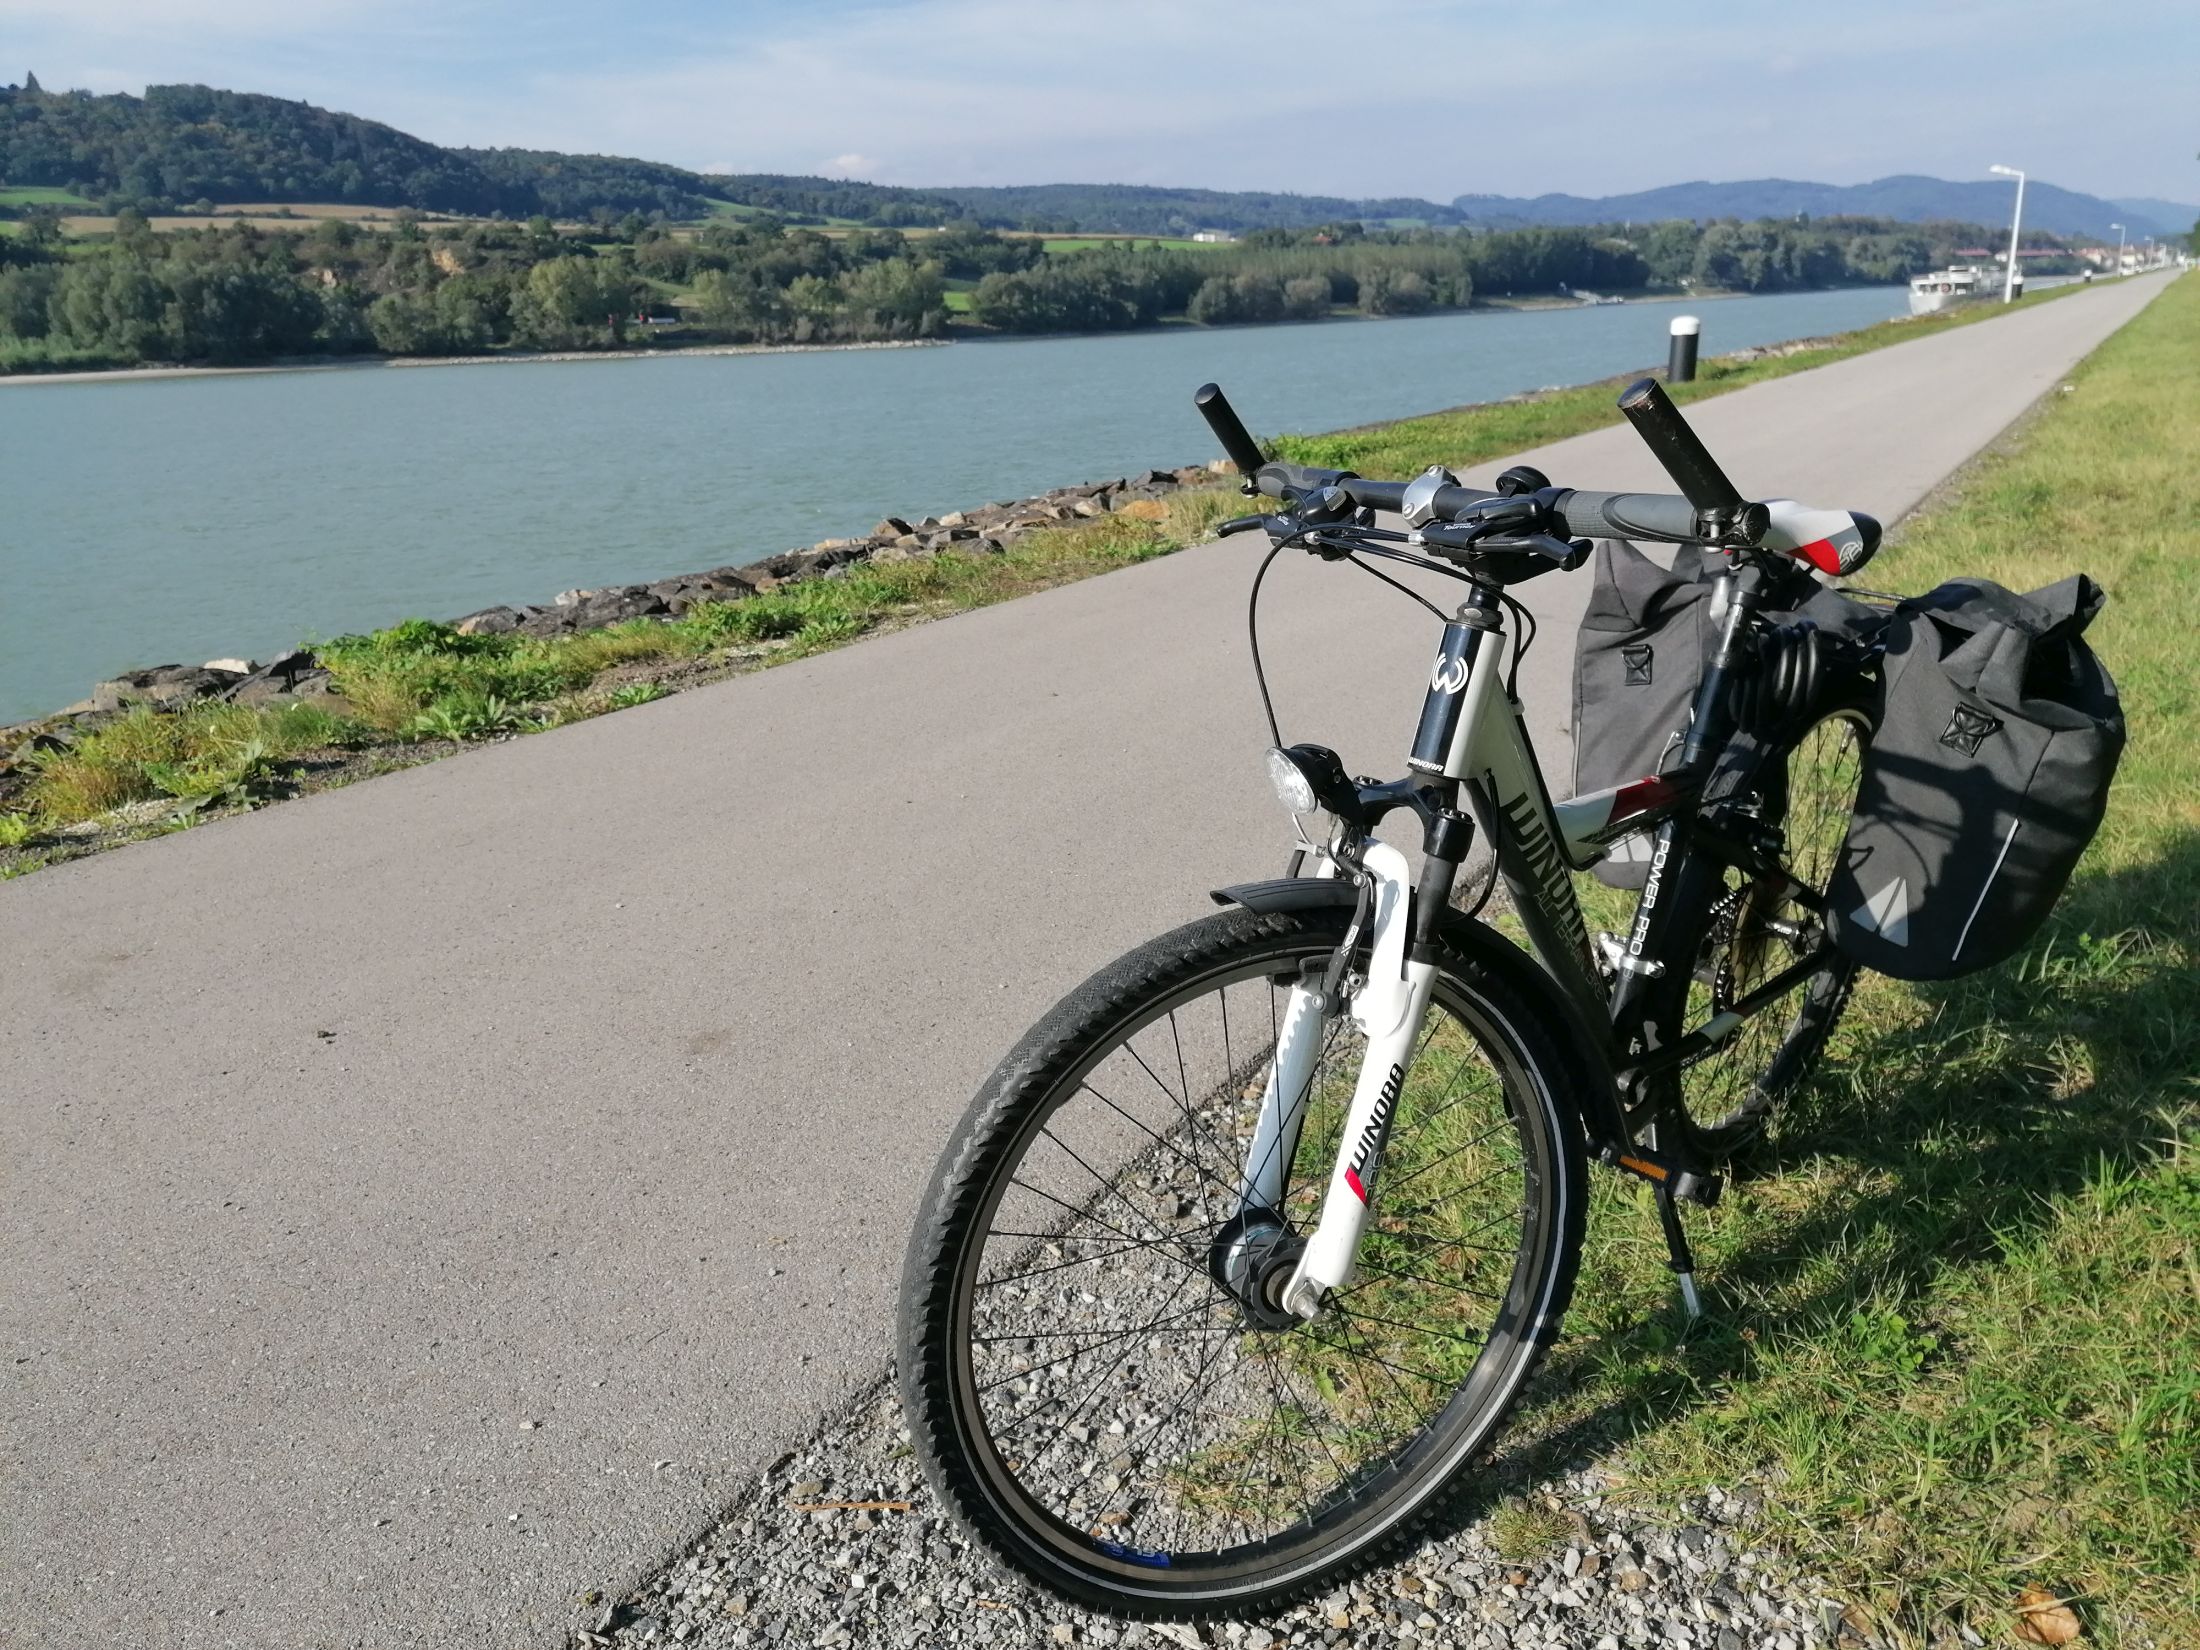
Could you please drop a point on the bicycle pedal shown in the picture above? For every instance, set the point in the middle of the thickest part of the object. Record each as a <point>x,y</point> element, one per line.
<point>1700,1189</point>
<point>1684,1185</point>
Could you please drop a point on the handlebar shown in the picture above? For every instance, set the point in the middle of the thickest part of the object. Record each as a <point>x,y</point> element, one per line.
<point>1668,436</point>
<point>1707,510</point>
<point>1666,517</point>
<point>1222,418</point>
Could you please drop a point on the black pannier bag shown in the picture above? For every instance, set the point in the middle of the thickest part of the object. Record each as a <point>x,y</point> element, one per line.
<point>1638,661</point>
<point>1986,779</point>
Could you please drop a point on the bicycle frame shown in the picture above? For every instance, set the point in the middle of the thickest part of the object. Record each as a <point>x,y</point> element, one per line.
<point>1473,743</point>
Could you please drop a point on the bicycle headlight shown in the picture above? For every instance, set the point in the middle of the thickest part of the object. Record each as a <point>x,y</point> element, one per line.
<point>1293,788</point>
<point>1307,777</point>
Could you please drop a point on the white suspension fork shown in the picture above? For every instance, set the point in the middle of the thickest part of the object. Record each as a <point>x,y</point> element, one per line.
<point>1388,1009</point>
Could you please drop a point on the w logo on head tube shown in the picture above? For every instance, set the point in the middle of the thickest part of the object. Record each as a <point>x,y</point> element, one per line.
<point>1449,676</point>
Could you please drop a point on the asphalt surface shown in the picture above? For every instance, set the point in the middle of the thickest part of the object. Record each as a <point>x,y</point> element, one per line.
<point>423,1203</point>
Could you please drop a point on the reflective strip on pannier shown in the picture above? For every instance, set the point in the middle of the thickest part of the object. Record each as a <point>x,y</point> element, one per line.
<point>1987,777</point>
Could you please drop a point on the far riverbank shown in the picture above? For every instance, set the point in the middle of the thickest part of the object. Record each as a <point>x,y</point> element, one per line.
<point>672,351</point>
<point>358,363</point>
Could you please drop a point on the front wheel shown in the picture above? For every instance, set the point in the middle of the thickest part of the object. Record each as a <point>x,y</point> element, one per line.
<point>1098,1411</point>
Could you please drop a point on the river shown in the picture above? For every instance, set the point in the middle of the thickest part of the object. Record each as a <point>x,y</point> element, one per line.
<point>177,520</point>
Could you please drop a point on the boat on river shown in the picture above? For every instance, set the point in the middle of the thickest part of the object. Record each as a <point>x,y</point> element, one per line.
<point>1957,284</point>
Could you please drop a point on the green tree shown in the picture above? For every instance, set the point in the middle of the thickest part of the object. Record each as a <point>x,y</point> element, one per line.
<point>1306,298</point>
<point>236,314</point>
<point>26,294</point>
<point>1388,291</point>
<point>42,230</point>
<point>1246,296</point>
<point>898,298</point>
<point>133,233</point>
<point>473,312</point>
<point>404,323</point>
<point>115,305</point>
<point>571,302</point>
<point>813,305</point>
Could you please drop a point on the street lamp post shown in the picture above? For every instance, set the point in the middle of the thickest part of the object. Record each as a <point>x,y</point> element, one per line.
<point>2119,228</point>
<point>2016,224</point>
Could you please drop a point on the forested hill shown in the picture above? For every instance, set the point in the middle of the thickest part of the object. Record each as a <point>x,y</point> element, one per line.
<point>1906,198</point>
<point>178,145</point>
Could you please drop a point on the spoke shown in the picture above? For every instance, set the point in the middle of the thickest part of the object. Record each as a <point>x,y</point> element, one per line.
<point>1229,1064</point>
<point>1438,1163</point>
<point>1197,1168</point>
<point>1128,1334</point>
<point>1463,1065</point>
<point>1110,1332</point>
<point>1108,1185</point>
<point>1275,1415</point>
<point>1314,1418</point>
<point>1063,1266</point>
<point>1161,1431</point>
<point>1363,1316</point>
<point>1160,1241</point>
<point>1351,1350</point>
<point>1306,1090</point>
<point>1444,1242</point>
<point>1183,1104</point>
<point>1091,1391</point>
<point>1344,1323</point>
<point>1367,1265</point>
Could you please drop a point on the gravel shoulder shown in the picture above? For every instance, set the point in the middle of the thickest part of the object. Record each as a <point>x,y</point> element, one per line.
<point>841,1544</point>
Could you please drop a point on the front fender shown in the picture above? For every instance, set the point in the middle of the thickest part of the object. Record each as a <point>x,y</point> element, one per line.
<point>1289,894</point>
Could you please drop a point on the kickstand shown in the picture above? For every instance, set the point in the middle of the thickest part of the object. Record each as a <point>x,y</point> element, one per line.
<point>1680,1258</point>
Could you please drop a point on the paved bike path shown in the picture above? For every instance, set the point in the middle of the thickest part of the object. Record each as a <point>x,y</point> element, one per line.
<point>424,1201</point>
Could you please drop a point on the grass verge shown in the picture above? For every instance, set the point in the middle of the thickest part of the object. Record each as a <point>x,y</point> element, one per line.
<point>419,686</point>
<point>1956,1339</point>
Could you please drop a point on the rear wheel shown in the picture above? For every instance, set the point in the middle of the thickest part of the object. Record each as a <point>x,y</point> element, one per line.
<point>1099,1411</point>
<point>1751,929</point>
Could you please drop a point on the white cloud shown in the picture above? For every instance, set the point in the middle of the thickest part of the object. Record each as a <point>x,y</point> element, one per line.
<point>130,21</point>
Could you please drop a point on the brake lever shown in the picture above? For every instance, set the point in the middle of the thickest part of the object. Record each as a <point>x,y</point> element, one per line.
<point>1568,553</point>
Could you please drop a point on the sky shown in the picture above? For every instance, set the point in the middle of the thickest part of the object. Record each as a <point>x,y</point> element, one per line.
<point>1373,97</point>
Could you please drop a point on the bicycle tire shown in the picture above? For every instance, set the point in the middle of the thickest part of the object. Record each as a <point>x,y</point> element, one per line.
<point>945,1406</point>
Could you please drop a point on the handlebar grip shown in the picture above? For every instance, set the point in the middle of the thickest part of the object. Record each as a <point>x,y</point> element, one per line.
<point>1279,480</point>
<point>1664,516</point>
<point>1676,446</point>
<point>1221,418</point>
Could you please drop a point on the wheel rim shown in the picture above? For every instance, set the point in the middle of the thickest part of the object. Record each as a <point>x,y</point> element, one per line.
<point>1113,1393</point>
<point>1761,928</point>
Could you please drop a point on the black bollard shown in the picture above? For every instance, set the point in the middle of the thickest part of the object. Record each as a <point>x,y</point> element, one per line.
<point>1680,357</point>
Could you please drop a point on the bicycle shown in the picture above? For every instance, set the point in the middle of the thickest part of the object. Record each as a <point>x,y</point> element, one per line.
<point>1245,1251</point>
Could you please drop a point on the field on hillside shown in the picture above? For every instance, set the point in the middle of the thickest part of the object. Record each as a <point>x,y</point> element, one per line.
<point>1089,243</point>
<point>39,195</point>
